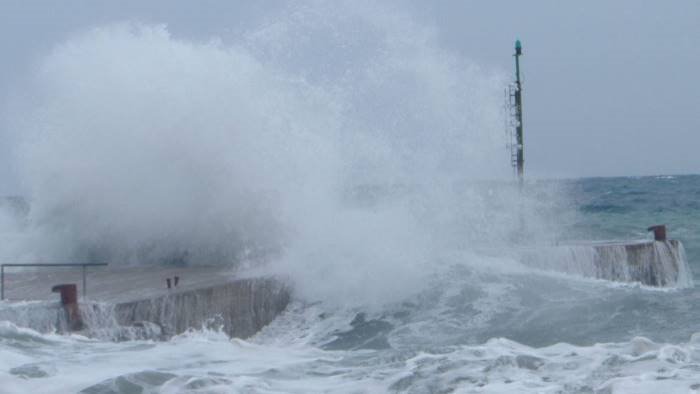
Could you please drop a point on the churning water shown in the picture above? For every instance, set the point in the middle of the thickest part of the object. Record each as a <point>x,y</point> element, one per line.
<point>340,147</point>
<point>480,324</point>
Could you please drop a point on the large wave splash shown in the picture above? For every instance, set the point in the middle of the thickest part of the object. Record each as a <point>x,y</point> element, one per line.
<point>340,142</point>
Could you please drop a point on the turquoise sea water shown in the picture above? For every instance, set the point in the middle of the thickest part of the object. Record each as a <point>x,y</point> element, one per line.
<point>623,207</point>
<point>482,325</point>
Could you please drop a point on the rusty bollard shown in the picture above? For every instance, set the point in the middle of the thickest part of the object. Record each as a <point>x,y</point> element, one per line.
<point>659,232</point>
<point>69,300</point>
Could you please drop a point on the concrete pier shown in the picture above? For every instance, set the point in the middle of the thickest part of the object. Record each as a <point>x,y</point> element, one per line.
<point>132,303</point>
<point>159,302</point>
<point>241,307</point>
<point>651,263</point>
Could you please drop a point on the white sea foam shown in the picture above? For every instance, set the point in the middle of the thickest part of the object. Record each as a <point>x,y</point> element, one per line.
<point>209,362</point>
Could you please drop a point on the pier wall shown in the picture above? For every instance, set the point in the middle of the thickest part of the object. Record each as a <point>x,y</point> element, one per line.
<point>241,308</point>
<point>652,263</point>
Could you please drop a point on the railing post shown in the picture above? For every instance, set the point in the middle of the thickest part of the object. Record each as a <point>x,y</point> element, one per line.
<point>2,282</point>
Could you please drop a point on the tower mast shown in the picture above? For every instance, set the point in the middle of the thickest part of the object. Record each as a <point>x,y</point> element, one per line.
<point>519,160</point>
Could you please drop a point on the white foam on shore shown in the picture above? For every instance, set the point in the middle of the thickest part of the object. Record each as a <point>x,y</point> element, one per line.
<point>208,361</point>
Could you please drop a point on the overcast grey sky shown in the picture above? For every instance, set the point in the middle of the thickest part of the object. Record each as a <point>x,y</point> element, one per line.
<point>611,87</point>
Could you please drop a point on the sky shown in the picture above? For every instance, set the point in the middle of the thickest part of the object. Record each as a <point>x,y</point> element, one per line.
<point>610,87</point>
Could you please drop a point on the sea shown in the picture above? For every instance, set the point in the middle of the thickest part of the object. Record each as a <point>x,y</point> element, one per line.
<point>481,324</point>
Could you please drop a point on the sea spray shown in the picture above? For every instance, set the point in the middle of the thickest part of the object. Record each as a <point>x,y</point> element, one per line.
<point>143,148</point>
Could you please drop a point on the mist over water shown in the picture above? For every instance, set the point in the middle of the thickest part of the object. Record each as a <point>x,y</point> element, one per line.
<point>338,142</point>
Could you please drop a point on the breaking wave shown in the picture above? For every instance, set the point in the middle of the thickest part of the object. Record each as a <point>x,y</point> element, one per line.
<point>339,143</point>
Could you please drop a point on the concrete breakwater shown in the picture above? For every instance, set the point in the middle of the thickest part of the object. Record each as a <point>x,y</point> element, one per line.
<point>241,308</point>
<point>652,263</point>
<point>138,304</point>
<point>158,302</point>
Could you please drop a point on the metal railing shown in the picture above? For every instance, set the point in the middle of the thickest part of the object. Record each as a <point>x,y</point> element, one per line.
<point>45,265</point>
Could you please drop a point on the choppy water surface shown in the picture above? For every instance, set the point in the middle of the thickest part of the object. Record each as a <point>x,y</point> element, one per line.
<point>482,324</point>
